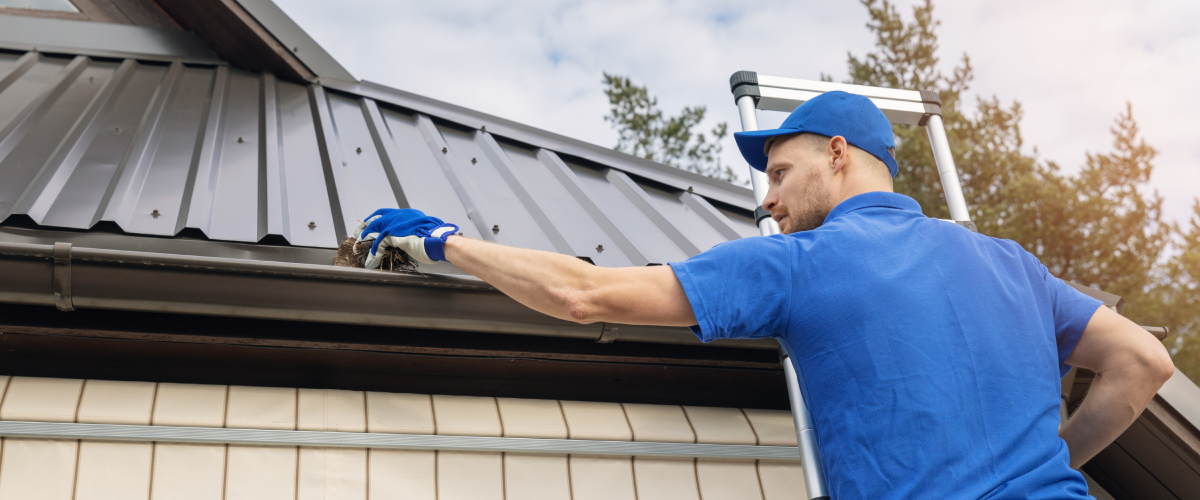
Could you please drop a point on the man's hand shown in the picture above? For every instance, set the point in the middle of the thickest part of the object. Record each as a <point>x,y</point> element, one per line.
<point>409,230</point>
<point>1130,365</point>
<point>568,288</point>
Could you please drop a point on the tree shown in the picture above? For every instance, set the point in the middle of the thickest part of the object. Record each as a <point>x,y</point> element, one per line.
<point>1102,227</point>
<point>672,140</point>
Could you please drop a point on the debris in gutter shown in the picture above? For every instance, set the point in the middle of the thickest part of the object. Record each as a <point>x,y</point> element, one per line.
<point>354,253</point>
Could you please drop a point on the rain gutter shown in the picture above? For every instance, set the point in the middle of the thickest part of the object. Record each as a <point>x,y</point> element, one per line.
<point>71,277</point>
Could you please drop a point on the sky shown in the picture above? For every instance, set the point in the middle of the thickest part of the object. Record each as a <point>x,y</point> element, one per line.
<point>1071,65</point>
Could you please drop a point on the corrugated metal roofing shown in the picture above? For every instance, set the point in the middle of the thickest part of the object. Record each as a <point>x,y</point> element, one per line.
<point>165,149</point>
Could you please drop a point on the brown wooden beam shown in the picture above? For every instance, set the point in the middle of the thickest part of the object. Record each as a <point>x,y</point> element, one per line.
<point>237,37</point>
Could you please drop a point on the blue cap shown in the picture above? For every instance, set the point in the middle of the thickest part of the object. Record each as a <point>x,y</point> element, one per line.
<point>851,116</point>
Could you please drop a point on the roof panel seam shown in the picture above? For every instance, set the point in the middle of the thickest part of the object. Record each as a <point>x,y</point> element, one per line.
<point>576,188</point>
<point>640,199</point>
<point>146,146</point>
<point>507,170</point>
<point>437,144</point>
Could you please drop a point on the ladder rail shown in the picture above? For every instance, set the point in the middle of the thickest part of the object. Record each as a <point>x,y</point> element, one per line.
<point>908,107</point>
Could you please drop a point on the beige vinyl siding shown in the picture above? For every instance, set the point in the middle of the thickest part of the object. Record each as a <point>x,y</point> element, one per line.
<point>399,413</point>
<point>37,469</point>
<point>772,427</point>
<point>665,479</point>
<point>466,416</point>
<point>113,470</point>
<point>470,476</point>
<point>780,480</point>
<point>188,472</point>
<point>597,421</point>
<point>602,478</point>
<point>332,473</point>
<point>190,405</point>
<point>402,475</point>
<point>728,480</point>
<point>70,470</point>
<point>536,477</point>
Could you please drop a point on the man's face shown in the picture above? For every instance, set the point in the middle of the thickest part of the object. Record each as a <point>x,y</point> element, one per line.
<point>798,197</point>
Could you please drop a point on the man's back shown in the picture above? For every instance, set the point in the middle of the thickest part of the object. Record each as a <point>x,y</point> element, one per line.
<point>930,355</point>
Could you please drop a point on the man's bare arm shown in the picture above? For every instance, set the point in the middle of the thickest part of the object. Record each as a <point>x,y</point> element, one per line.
<point>567,288</point>
<point>1130,365</point>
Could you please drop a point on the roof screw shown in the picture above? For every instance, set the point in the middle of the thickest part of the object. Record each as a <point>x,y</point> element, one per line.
<point>444,150</point>
<point>239,140</point>
<point>483,128</point>
<point>155,213</point>
<point>472,161</point>
<point>118,129</point>
<point>496,229</point>
<point>91,79</point>
<point>358,150</point>
<point>689,189</point>
<point>296,49</point>
<point>599,248</point>
<point>312,224</point>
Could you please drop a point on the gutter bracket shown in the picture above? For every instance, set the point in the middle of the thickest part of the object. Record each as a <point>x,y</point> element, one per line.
<point>62,277</point>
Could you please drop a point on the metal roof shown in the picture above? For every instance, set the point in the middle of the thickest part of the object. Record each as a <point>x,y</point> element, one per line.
<point>193,149</point>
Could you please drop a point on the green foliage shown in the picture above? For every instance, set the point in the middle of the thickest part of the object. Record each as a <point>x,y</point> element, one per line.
<point>672,140</point>
<point>1102,227</point>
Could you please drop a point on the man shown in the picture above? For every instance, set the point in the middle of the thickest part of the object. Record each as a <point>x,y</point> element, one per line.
<point>930,355</point>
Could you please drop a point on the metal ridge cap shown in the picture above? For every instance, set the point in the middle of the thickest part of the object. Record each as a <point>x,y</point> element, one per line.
<point>711,188</point>
<point>219,435</point>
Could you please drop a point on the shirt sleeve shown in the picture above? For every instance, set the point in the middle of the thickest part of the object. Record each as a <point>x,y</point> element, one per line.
<point>739,289</point>
<point>1072,312</point>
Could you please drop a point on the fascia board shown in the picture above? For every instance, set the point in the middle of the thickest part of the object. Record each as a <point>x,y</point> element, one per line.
<point>713,189</point>
<point>284,29</point>
<point>103,40</point>
<point>1183,396</point>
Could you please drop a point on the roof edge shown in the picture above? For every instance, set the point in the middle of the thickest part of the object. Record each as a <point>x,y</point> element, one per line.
<point>291,35</point>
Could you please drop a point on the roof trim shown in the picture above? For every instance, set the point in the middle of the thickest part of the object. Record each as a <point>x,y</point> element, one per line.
<point>290,34</point>
<point>103,40</point>
<point>713,189</point>
<point>236,36</point>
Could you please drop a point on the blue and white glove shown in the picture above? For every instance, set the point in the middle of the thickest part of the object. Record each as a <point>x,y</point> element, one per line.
<point>409,230</point>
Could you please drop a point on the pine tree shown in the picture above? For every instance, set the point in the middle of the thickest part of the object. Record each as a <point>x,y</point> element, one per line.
<point>672,140</point>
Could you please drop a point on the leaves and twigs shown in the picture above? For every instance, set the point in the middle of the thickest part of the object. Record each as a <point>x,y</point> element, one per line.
<point>353,253</point>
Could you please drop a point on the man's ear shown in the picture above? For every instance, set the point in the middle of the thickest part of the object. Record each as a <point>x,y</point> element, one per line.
<point>839,153</point>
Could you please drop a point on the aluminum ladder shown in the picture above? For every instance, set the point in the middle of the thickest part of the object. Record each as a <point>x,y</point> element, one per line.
<point>752,92</point>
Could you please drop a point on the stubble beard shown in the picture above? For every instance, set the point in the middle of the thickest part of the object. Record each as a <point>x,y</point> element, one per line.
<point>815,205</point>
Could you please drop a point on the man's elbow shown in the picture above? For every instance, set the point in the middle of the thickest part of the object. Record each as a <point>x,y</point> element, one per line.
<point>1163,367</point>
<point>580,307</point>
<point>1154,364</point>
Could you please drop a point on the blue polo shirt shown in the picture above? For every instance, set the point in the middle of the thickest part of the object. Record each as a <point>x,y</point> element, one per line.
<point>930,356</point>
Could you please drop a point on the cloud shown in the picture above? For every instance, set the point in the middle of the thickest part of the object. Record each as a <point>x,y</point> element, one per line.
<point>539,62</point>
